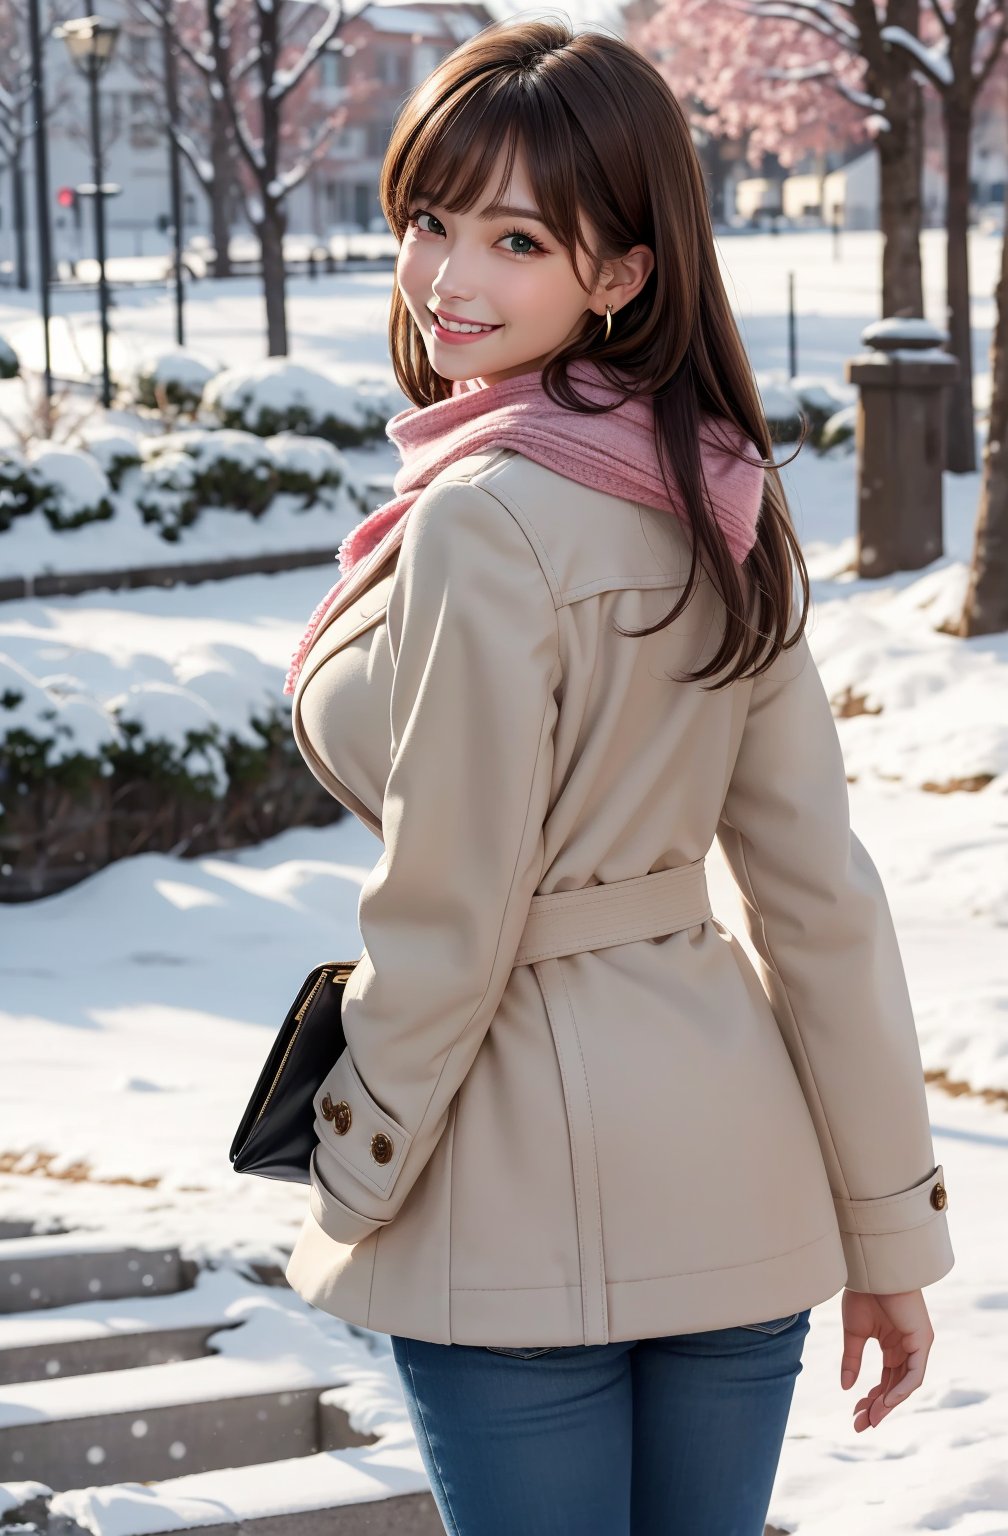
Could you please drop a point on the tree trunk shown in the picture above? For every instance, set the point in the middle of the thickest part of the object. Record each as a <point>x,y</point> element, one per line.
<point>220,199</point>
<point>986,607</point>
<point>18,216</point>
<point>960,434</point>
<point>274,278</point>
<point>900,151</point>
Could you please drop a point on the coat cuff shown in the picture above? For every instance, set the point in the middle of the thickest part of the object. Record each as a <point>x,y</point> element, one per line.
<point>337,1220</point>
<point>897,1242</point>
<point>357,1132</point>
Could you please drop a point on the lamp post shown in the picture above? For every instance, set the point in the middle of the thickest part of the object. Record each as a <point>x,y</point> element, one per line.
<point>41,166</point>
<point>91,43</point>
<point>174,160</point>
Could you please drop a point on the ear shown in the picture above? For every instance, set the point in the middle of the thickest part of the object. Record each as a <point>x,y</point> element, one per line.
<point>623,279</point>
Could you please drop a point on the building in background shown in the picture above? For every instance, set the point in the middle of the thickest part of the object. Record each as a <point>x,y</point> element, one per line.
<point>394,46</point>
<point>398,46</point>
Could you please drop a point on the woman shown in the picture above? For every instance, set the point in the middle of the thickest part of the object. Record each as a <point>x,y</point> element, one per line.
<point>586,1167</point>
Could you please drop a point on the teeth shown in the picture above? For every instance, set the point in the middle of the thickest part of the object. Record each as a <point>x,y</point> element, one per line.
<point>455,325</point>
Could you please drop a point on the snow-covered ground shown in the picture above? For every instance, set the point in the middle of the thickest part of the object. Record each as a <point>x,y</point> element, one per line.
<point>136,1008</point>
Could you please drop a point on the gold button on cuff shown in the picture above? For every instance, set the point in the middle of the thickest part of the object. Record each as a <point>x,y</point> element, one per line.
<point>339,1114</point>
<point>381,1147</point>
<point>939,1199</point>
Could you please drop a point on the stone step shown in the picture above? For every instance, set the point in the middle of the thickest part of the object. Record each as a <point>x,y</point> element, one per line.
<point>405,1514</point>
<point>243,1386</point>
<point>144,1445</point>
<point>106,1352</point>
<point>399,1514</point>
<point>84,1338</point>
<point>59,1268</point>
<point>10,1228</point>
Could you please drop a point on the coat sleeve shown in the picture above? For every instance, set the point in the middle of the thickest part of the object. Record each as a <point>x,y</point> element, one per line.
<point>473,636</point>
<point>817,915</point>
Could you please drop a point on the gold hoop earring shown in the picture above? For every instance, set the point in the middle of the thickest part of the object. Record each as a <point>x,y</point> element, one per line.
<point>608,323</point>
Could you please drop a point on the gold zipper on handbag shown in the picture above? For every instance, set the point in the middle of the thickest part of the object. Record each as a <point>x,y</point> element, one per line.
<point>341,973</point>
<point>320,982</point>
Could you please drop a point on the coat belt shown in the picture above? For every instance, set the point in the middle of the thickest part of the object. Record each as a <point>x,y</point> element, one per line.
<point>594,916</point>
<point>565,923</point>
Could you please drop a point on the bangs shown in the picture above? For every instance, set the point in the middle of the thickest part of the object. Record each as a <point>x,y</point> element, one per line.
<point>449,157</point>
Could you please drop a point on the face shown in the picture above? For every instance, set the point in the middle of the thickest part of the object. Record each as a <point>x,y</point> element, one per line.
<point>504,270</point>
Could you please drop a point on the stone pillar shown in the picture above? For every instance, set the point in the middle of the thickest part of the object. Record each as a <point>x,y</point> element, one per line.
<point>900,438</point>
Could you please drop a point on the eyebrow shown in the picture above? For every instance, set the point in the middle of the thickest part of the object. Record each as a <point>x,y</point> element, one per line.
<point>495,210</point>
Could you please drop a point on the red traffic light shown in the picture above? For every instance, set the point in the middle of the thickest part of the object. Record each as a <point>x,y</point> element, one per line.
<point>66,197</point>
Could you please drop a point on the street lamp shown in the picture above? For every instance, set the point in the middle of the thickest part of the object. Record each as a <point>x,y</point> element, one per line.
<point>91,44</point>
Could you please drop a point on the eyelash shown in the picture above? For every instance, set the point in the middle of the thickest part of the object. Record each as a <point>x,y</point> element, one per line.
<point>522,255</point>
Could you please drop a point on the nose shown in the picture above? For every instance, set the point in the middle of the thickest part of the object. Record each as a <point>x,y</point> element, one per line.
<point>448,288</point>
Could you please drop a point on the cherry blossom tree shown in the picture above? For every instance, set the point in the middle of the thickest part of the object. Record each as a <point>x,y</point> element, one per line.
<point>797,75</point>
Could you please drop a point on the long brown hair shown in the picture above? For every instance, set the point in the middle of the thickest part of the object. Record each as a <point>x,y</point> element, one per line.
<point>576,103</point>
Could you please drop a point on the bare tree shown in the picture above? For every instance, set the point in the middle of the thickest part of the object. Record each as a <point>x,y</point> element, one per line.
<point>255,87</point>
<point>986,607</point>
<point>866,30</point>
<point>15,119</point>
<point>971,42</point>
<point>201,126</point>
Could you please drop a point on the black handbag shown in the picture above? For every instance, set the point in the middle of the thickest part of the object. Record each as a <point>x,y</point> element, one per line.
<point>276,1134</point>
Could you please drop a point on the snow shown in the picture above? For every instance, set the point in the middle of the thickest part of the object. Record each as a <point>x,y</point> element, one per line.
<point>147,996</point>
<point>312,456</point>
<point>934,61</point>
<point>913,331</point>
<point>187,370</point>
<point>780,400</point>
<point>109,446</point>
<point>75,482</point>
<point>172,660</point>
<point>12,1495</point>
<point>362,1475</point>
<point>276,385</point>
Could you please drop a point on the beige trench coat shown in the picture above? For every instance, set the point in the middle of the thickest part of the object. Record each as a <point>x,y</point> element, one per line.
<point>570,1110</point>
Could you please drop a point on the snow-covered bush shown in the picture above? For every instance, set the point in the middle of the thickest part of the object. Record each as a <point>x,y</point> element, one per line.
<point>176,376</point>
<point>781,406</point>
<point>86,781</point>
<point>50,732</point>
<point>820,399</point>
<point>170,735</point>
<point>223,467</point>
<point>838,428</point>
<point>305,465</point>
<point>279,396</point>
<point>9,365</point>
<point>789,401</point>
<point>115,450</point>
<point>17,493</point>
<point>68,484</point>
<point>185,471</point>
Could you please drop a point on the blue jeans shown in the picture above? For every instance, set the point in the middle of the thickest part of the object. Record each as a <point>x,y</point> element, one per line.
<point>673,1436</point>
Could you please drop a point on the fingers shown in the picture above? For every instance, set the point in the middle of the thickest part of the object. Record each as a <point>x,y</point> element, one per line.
<point>910,1378</point>
<point>850,1360</point>
<point>896,1384</point>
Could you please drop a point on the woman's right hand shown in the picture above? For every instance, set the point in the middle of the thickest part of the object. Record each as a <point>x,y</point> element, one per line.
<point>903,1328</point>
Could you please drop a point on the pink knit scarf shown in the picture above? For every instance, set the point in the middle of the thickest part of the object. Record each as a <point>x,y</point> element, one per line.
<point>615,453</point>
